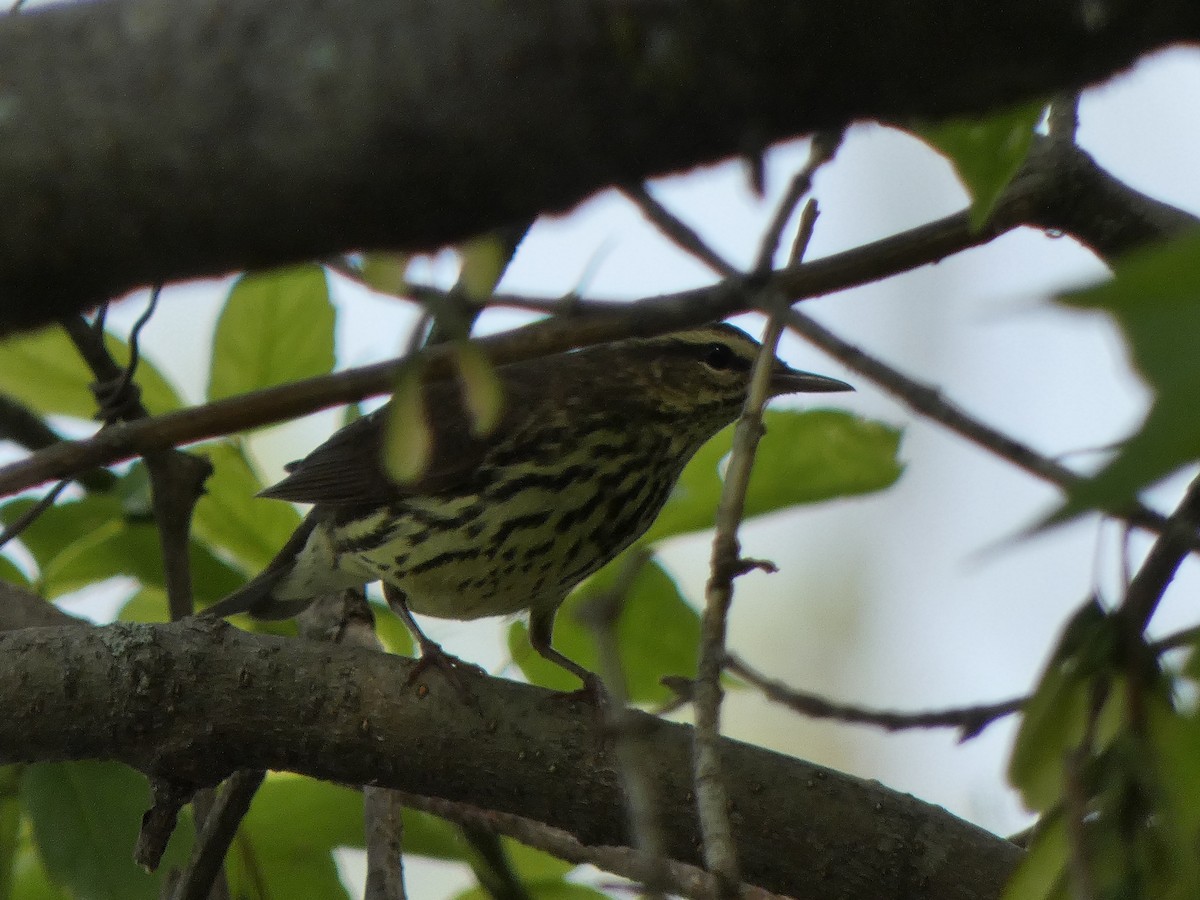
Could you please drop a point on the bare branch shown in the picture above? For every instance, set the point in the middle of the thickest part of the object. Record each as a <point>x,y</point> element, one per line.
<point>1177,540</point>
<point>208,853</point>
<point>969,720</point>
<point>824,147</point>
<point>346,618</point>
<point>682,879</point>
<point>341,714</point>
<point>602,614</point>
<point>928,401</point>
<point>176,478</point>
<point>679,232</point>
<point>24,427</point>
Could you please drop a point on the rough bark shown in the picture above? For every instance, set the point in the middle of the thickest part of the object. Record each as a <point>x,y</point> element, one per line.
<point>143,141</point>
<point>197,699</point>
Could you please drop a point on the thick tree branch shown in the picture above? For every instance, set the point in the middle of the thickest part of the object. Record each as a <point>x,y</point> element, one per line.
<point>143,143</point>
<point>197,699</point>
<point>595,321</point>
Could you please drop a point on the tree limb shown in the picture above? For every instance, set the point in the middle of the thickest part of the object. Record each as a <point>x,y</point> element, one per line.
<point>142,143</point>
<point>198,699</point>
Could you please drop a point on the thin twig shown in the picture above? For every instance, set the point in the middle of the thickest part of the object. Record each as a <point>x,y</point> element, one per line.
<point>489,860</point>
<point>825,145</point>
<point>969,720</point>
<point>176,483</point>
<point>176,478</point>
<point>208,853</point>
<point>685,880</point>
<point>24,427</point>
<point>32,514</point>
<point>602,615</point>
<point>1184,638</point>
<point>346,618</point>
<point>929,402</point>
<point>1158,569</point>
<point>680,233</point>
<point>383,822</point>
<point>720,852</point>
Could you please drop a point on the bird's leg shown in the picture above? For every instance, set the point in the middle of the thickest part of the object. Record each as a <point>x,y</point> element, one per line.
<point>432,653</point>
<point>541,633</point>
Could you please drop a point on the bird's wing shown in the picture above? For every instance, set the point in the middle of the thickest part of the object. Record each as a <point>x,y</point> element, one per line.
<point>347,470</point>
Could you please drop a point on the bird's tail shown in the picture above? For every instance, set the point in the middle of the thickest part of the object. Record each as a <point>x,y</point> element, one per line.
<point>256,596</point>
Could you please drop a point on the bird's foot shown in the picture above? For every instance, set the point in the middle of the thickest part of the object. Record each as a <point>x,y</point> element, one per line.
<point>453,668</point>
<point>592,693</point>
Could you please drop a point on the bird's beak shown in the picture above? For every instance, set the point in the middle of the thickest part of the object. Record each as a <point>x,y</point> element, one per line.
<point>785,380</point>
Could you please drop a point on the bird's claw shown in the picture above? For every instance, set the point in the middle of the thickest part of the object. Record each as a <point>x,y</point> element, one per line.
<point>453,668</point>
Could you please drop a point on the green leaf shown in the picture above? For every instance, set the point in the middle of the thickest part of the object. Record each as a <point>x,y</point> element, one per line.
<point>408,438</point>
<point>658,633</point>
<point>484,259</point>
<point>986,153</point>
<point>30,880</point>
<point>147,605</point>
<point>483,395</point>
<point>85,819</point>
<point>44,371</point>
<point>805,457</point>
<point>384,272</point>
<point>536,865</point>
<point>1154,297</point>
<point>250,529</point>
<point>62,524</point>
<point>543,876</point>
<point>10,572</point>
<point>276,327</point>
<point>1176,740</point>
<point>85,541</point>
<point>10,827</point>
<point>304,814</point>
<point>295,823</point>
<point>1055,717</point>
<point>272,872</point>
<point>287,838</point>
<point>427,835</point>
<point>1042,874</point>
<point>392,633</point>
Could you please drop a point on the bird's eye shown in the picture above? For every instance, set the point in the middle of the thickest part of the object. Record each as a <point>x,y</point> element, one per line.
<point>719,357</point>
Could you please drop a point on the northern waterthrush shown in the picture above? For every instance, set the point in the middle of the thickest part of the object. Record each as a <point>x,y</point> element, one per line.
<point>587,449</point>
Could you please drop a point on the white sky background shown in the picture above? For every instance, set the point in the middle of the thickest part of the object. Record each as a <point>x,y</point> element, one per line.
<point>919,597</point>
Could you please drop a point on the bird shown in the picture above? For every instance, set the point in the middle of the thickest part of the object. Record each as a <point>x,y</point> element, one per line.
<point>586,451</point>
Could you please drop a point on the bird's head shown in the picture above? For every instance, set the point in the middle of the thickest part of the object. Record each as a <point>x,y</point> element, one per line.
<point>702,374</point>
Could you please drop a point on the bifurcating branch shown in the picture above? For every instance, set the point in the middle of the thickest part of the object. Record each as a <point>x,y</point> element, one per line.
<point>143,143</point>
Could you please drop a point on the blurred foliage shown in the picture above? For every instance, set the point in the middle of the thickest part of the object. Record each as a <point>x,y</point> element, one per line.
<point>276,327</point>
<point>85,818</point>
<point>407,436</point>
<point>1108,755</point>
<point>1153,298</point>
<point>986,152</point>
<point>43,371</point>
